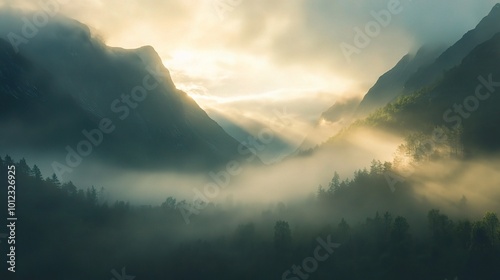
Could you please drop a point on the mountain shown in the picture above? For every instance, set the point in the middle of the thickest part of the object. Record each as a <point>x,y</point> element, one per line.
<point>427,66</point>
<point>458,93</point>
<point>489,26</point>
<point>64,81</point>
<point>341,110</point>
<point>247,131</point>
<point>391,84</point>
<point>466,98</point>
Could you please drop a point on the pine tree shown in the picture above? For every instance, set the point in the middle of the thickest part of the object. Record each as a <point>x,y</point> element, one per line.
<point>37,173</point>
<point>91,195</point>
<point>282,237</point>
<point>70,188</point>
<point>24,168</point>
<point>491,223</point>
<point>376,167</point>
<point>8,160</point>
<point>54,180</point>
<point>344,229</point>
<point>334,184</point>
<point>170,203</point>
<point>400,229</point>
<point>321,192</point>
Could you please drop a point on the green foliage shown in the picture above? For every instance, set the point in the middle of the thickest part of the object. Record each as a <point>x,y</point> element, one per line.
<point>442,143</point>
<point>392,114</point>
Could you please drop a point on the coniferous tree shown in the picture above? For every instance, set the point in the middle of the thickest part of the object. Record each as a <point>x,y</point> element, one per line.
<point>169,203</point>
<point>282,237</point>
<point>491,223</point>
<point>91,196</point>
<point>69,188</point>
<point>334,184</point>
<point>37,173</point>
<point>24,168</point>
<point>8,161</point>
<point>54,180</point>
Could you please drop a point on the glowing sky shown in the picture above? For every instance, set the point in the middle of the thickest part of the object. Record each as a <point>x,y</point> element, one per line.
<point>247,58</point>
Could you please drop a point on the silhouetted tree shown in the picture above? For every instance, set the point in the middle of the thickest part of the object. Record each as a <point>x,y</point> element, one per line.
<point>23,168</point>
<point>344,229</point>
<point>169,203</point>
<point>400,230</point>
<point>282,237</point>
<point>8,160</point>
<point>244,236</point>
<point>376,167</point>
<point>480,237</point>
<point>91,196</point>
<point>463,231</point>
<point>334,184</point>
<point>37,173</point>
<point>69,188</point>
<point>54,180</point>
<point>441,228</point>
<point>491,222</point>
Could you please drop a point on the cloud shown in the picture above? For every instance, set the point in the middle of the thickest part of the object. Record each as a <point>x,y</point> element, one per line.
<point>263,47</point>
<point>305,33</point>
<point>343,108</point>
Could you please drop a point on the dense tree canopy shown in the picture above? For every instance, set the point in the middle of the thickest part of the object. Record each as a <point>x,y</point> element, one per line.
<point>72,233</point>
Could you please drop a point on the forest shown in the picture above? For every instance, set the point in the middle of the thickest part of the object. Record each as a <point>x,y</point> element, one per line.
<point>70,232</point>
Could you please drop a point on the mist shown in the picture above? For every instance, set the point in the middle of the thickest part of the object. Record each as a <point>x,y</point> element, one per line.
<point>231,146</point>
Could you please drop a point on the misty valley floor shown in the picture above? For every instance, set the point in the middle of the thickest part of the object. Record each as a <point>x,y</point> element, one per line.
<point>69,233</point>
<point>241,176</point>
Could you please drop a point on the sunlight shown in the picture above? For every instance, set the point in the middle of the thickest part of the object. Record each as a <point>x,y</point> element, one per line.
<point>264,142</point>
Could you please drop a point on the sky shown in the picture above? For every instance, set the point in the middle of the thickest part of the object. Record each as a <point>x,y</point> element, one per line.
<point>243,60</point>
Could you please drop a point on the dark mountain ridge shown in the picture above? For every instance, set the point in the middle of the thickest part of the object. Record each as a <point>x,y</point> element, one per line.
<point>427,66</point>
<point>463,98</point>
<point>64,81</point>
<point>390,85</point>
<point>485,30</point>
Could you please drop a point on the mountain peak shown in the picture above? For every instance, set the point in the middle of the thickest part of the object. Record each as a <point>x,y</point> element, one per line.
<point>151,58</point>
<point>485,30</point>
<point>494,11</point>
<point>148,53</point>
<point>83,81</point>
<point>492,19</point>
